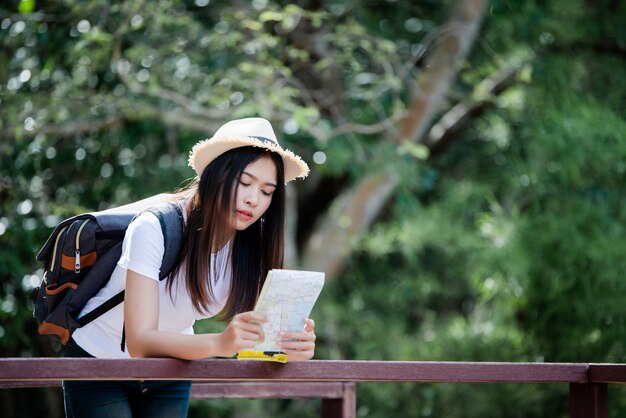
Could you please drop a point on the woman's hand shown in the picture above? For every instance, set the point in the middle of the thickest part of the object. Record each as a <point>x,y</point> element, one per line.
<point>299,346</point>
<point>243,331</point>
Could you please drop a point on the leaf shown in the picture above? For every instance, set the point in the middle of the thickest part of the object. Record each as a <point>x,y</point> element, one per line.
<point>26,6</point>
<point>418,151</point>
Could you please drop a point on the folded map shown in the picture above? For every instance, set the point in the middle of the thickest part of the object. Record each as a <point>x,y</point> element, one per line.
<point>287,299</point>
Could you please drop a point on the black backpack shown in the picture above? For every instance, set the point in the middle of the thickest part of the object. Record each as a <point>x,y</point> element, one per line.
<point>81,254</point>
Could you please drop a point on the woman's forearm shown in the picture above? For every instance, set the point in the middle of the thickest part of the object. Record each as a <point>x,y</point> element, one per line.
<point>153,343</point>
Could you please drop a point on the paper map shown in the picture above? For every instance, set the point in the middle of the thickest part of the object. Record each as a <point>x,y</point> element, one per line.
<point>287,299</point>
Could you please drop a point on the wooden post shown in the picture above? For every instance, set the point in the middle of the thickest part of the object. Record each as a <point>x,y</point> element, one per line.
<point>344,407</point>
<point>588,400</point>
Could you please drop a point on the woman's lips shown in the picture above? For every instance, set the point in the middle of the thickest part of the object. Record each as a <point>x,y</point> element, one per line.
<point>244,215</point>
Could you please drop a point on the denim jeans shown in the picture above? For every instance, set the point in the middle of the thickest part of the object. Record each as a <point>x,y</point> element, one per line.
<point>123,399</point>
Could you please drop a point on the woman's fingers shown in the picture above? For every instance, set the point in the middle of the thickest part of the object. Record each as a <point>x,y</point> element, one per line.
<point>254,337</point>
<point>245,330</point>
<point>298,350</point>
<point>299,345</point>
<point>309,325</point>
<point>251,316</point>
<point>248,326</point>
<point>297,336</point>
<point>250,322</point>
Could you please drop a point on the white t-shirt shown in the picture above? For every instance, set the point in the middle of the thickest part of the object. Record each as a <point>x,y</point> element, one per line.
<point>142,252</point>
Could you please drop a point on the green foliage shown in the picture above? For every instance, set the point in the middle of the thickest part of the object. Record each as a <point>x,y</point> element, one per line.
<point>514,253</point>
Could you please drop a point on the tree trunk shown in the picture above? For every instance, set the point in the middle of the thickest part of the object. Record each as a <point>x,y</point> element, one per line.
<point>355,210</point>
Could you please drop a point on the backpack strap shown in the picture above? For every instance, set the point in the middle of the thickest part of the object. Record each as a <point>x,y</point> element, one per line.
<point>172,227</point>
<point>171,219</point>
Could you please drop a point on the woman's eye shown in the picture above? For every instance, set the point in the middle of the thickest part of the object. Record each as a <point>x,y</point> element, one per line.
<point>266,193</point>
<point>244,184</point>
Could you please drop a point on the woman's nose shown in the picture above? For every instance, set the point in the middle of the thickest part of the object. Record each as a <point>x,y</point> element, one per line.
<point>251,198</point>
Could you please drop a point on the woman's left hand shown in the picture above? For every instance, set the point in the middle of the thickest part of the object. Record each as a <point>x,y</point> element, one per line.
<point>299,346</point>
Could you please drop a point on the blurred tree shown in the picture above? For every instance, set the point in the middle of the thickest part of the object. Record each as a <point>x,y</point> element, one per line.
<point>357,207</point>
<point>507,245</point>
<point>250,62</point>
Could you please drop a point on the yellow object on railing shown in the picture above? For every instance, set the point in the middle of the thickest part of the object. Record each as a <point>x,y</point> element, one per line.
<point>276,356</point>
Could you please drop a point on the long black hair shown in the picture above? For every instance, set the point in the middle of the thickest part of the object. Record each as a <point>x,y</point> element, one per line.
<point>255,250</point>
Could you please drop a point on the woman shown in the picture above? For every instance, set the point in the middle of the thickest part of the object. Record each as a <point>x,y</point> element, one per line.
<point>234,216</point>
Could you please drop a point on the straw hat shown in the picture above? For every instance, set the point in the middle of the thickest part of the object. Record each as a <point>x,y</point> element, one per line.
<point>256,132</point>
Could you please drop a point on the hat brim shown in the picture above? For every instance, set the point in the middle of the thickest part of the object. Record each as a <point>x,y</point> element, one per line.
<point>204,152</point>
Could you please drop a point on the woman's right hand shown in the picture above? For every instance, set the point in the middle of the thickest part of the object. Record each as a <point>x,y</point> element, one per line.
<point>243,331</point>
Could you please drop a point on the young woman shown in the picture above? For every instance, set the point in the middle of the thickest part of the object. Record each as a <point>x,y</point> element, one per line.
<point>234,216</point>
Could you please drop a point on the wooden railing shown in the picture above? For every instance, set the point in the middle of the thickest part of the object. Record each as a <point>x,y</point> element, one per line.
<point>329,380</point>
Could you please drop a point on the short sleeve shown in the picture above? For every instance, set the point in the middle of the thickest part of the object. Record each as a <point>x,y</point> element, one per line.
<point>144,246</point>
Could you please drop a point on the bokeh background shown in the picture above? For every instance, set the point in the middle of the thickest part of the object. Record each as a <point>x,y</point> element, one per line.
<point>467,199</point>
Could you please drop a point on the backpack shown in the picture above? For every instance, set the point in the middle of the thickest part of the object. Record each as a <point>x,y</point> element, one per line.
<point>81,254</point>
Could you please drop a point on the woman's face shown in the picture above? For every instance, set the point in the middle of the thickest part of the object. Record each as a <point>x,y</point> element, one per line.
<point>254,192</point>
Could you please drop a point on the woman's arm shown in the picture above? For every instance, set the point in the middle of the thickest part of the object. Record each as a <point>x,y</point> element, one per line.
<point>141,318</point>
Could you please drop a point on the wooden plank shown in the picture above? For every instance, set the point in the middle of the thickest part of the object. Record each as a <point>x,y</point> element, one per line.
<point>588,400</point>
<point>225,389</point>
<point>266,390</point>
<point>314,370</point>
<point>17,384</point>
<point>344,407</point>
<point>607,373</point>
<point>338,398</point>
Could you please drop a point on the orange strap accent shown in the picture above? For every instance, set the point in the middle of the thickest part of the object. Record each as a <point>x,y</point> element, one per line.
<point>47,328</point>
<point>68,262</point>
<point>53,289</point>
